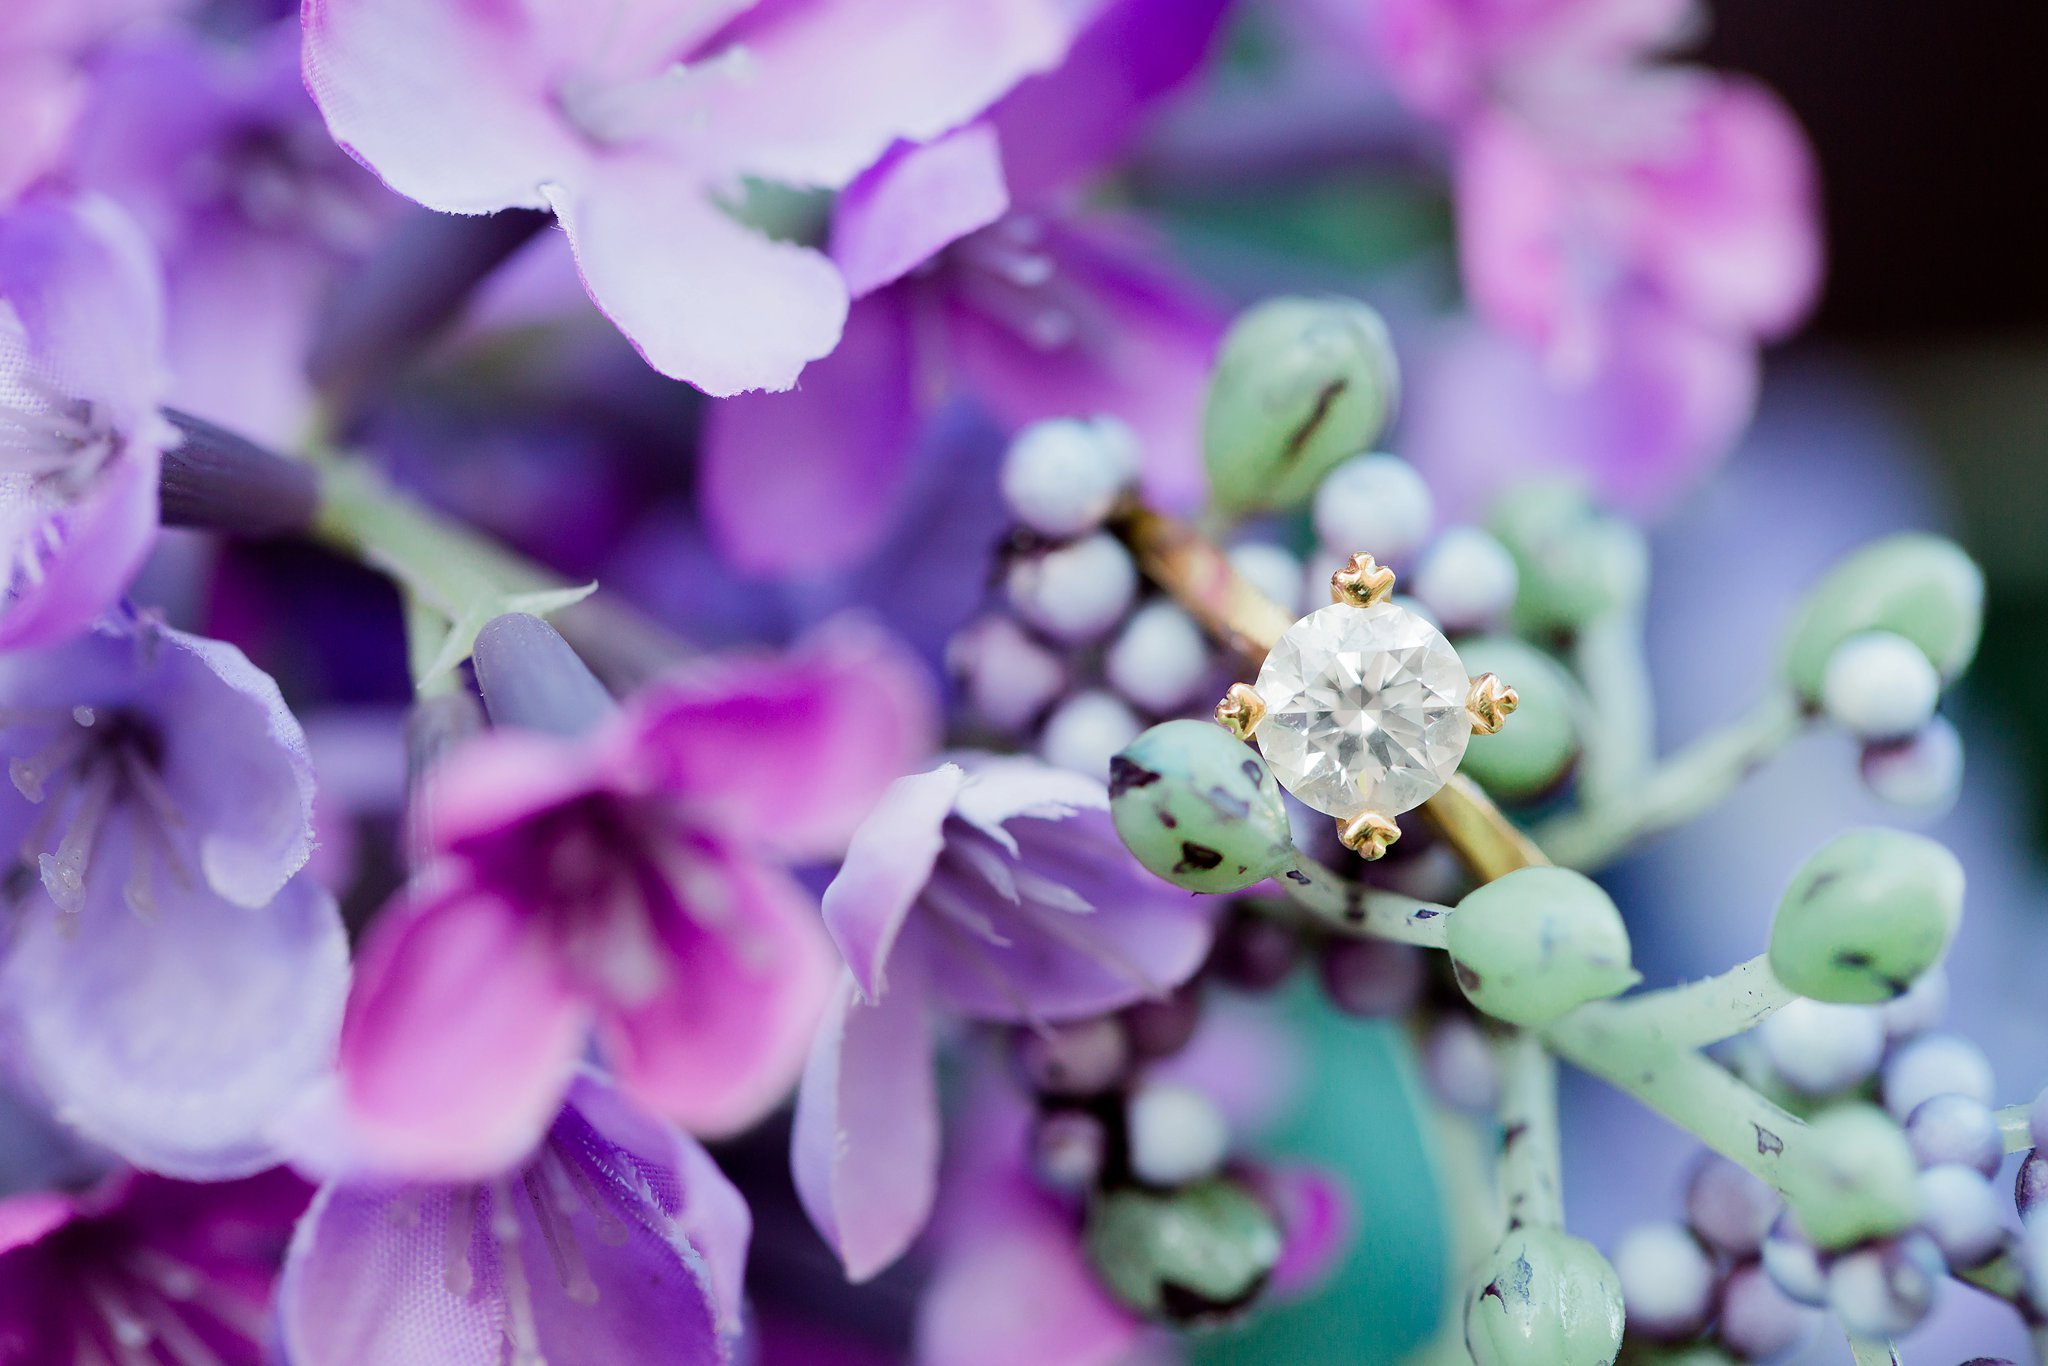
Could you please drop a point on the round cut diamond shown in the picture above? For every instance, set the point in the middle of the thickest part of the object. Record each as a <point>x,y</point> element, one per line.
<point>1365,710</point>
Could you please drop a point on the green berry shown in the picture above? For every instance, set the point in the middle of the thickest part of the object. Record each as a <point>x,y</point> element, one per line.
<point>1541,740</point>
<point>1538,943</point>
<point>1574,563</point>
<point>1199,808</point>
<point>1196,1254</point>
<point>1544,1298</point>
<point>1864,916</point>
<point>1854,1177</point>
<point>1300,385</point>
<point>1915,585</point>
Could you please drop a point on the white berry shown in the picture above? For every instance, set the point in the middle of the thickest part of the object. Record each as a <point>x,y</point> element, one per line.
<point>1961,1210</point>
<point>1467,579</point>
<point>1159,660</point>
<point>1373,503</point>
<point>1667,1280</point>
<point>1177,1134</point>
<point>1086,730</point>
<point>1822,1049</point>
<point>1936,1065</point>
<point>1075,592</point>
<point>1879,686</point>
<point>1923,772</point>
<point>1274,571</point>
<point>1008,676</point>
<point>1061,477</point>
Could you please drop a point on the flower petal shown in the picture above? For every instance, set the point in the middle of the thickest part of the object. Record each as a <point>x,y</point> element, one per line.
<point>723,1041</point>
<point>453,104</point>
<point>913,203</point>
<point>789,752</point>
<point>1317,1224</point>
<point>702,297</point>
<point>886,866</point>
<point>865,1145</point>
<point>796,482</point>
<point>102,540</point>
<point>179,1042</point>
<point>462,1035</point>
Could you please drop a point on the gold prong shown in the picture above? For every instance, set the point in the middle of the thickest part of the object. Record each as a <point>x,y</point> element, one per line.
<point>1490,703</point>
<point>1240,711</point>
<point>1362,583</point>
<point>1369,833</point>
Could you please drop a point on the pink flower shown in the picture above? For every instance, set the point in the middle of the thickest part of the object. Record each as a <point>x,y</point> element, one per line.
<point>630,884</point>
<point>640,127</point>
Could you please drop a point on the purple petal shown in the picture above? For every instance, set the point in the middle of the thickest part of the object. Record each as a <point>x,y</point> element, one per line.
<point>702,297</point>
<point>39,99</point>
<point>913,203</point>
<point>236,764</point>
<point>886,867</point>
<point>789,752</point>
<point>180,1042</point>
<point>1114,334</point>
<point>1011,1289</point>
<point>1071,123</point>
<point>28,1217</point>
<point>865,1146</point>
<point>491,783</point>
<point>810,116</point>
<point>813,477</point>
<point>451,104</point>
<point>1317,1223</point>
<point>1002,788</point>
<point>723,1040</point>
<point>462,1035</point>
<point>102,540</point>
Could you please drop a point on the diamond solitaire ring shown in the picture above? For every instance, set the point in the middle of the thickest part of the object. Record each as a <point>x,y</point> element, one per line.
<point>1362,709</point>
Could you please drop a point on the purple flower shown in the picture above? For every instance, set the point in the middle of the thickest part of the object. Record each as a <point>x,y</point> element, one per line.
<point>998,892</point>
<point>168,982</point>
<point>221,158</point>
<point>143,1269</point>
<point>640,127</point>
<point>81,378</point>
<point>41,87</point>
<point>971,276</point>
<point>631,883</point>
<point>615,1239</point>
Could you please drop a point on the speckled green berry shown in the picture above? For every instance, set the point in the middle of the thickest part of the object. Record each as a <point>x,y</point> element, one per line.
<point>1915,585</point>
<point>1544,1298</point>
<point>1187,1256</point>
<point>1199,807</point>
<point>1574,562</point>
<point>1537,943</point>
<point>1300,384</point>
<point>1864,916</point>
<point>1852,1177</point>
<point>1537,746</point>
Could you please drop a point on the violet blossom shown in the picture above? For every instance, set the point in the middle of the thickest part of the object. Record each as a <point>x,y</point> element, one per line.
<point>631,883</point>
<point>640,126</point>
<point>220,156</point>
<point>42,87</point>
<point>995,892</point>
<point>170,981</point>
<point>973,274</point>
<point>614,1238</point>
<point>141,1269</point>
<point>81,438</point>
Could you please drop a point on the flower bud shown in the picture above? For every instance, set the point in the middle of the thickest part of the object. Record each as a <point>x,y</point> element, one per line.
<point>1575,563</point>
<point>1533,752</point>
<point>1914,585</point>
<point>1854,1177</point>
<point>1864,916</point>
<point>1544,1298</point>
<point>1300,384</point>
<point>1191,1255</point>
<point>1537,943</point>
<point>1199,808</point>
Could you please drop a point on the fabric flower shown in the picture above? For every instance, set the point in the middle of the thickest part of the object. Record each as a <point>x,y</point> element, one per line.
<point>81,438</point>
<point>169,983</point>
<point>641,127</point>
<point>633,883</point>
<point>41,86</point>
<point>998,892</point>
<point>616,1239</point>
<point>143,1269</point>
<point>220,156</point>
<point>972,277</point>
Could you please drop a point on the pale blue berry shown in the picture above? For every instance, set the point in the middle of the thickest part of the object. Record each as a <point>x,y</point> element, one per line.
<point>1757,1320</point>
<point>1934,1065</point>
<point>1176,1133</point>
<point>1955,1128</point>
<point>1074,592</point>
<point>1885,1288</point>
<point>1921,773</point>
<point>1879,686</point>
<point>1008,676</point>
<point>1667,1280</point>
<point>1961,1211</point>
<point>1374,503</point>
<point>1061,477</point>
<point>1821,1049</point>
<point>1729,1207</point>
<point>1467,579</point>
<point>1160,659</point>
<point>1274,570</point>
<point>1084,731</point>
<point>1793,1263</point>
<point>1920,1008</point>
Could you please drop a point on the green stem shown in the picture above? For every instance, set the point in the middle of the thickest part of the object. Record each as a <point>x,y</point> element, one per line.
<point>1619,728</point>
<point>1705,1012</point>
<point>1874,1352</point>
<point>1531,1183</point>
<point>1687,1088</point>
<point>2014,1129</point>
<point>1355,909</point>
<point>1681,789</point>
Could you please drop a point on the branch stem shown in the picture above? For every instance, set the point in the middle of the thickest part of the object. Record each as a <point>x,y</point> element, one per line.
<point>1355,909</point>
<point>1531,1183</point>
